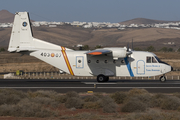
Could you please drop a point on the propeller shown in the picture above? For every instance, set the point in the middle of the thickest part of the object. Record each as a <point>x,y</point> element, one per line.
<point>127,51</point>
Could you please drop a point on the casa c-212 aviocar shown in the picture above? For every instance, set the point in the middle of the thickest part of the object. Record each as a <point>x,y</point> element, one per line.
<point>103,63</point>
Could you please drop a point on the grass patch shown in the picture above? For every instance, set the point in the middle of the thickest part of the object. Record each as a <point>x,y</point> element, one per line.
<point>134,105</point>
<point>74,102</point>
<point>27,109</point>
<point>138,103</point>
<point>72,94</point>
<point>170,103</point>
<point>119,97</point>
<point>92,105</point>
<point>91,98</point>
<point>137,91</point>
<point>154,115</point>
<point>108,105</point>
<point>42,93</point>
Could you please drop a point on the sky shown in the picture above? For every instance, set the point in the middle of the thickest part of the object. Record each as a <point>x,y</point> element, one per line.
<point>95,10</point>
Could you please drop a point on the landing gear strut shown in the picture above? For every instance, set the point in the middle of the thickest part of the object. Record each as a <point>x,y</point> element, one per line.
<point>102,78</point>
<point>162,78</point>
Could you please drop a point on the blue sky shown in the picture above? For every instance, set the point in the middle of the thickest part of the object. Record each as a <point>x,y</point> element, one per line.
<point>95,10</point>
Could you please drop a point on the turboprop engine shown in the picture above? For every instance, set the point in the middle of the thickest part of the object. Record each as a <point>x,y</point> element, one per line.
<point>119,52</point>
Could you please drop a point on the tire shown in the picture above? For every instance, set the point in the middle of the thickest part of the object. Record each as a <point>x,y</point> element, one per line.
<point>101,78</point>
<point>162,79</point>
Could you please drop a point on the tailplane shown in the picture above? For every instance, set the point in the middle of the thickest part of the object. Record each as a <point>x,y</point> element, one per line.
<point>22,38</point>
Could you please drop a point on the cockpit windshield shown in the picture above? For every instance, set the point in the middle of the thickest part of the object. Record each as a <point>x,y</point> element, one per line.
<point>160,60</point>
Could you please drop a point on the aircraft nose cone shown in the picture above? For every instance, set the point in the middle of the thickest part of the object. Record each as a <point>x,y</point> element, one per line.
<point>171,68</point>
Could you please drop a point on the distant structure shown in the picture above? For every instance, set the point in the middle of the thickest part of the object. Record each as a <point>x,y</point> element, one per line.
<point>170,25</point>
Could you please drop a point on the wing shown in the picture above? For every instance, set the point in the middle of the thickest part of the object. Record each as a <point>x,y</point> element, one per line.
<point>98,52</point>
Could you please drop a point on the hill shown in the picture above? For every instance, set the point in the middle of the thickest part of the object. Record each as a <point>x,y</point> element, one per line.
<point>6,16</point>
<point>142,21</point>
<point>69,36</point>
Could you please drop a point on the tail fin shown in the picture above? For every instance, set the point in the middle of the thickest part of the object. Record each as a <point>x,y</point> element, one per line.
<point>22,38</point>
<point>21,35</point>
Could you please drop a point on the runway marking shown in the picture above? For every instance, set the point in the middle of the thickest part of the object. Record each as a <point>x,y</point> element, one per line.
<point>45,87</point>
<point>139,87</point>
<point>97,83</point>
<point>128,83</point>
<point>150,83</point>
<point>89,87</point>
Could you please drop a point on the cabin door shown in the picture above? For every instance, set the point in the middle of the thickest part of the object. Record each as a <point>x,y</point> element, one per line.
<point>140,67</point>
<point>79,62</point>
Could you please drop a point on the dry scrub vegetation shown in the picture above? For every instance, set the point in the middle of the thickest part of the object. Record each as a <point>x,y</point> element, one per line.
<point>135,104</point>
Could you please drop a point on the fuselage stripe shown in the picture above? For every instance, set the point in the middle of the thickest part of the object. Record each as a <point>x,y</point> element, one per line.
<point>129,67</point>
<point>66,60</point>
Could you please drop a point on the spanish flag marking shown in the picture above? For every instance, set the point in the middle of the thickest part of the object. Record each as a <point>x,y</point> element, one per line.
<point>66,60</point>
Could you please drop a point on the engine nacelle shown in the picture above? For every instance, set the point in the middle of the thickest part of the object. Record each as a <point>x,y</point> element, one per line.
<point>119,52</point>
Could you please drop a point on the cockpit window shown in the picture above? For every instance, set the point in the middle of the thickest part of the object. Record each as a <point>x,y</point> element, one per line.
<point>154,60</point>
<point>151,59</point>
<point>148,59</point>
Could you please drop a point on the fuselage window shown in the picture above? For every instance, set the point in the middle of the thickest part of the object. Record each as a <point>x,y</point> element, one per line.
<point>148,59</point>
<point>97,61</point>
<point>89,61</point>
<point>79,61</point>
<point>105,61</point>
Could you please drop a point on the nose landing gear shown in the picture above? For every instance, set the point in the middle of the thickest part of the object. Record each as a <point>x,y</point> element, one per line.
<point>162,78</point>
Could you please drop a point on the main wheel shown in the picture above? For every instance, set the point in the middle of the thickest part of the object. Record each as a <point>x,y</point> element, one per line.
<point>162,79</point>
<point>101,78</point>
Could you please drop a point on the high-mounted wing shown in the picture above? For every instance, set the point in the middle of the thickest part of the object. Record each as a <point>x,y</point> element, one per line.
<point>98,52</point>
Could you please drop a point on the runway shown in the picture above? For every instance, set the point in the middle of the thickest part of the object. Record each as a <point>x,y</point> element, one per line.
<point>63,86</point>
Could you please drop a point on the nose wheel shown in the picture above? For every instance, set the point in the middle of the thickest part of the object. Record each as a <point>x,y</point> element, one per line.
<point>102,78</point>
<point>162,78</point>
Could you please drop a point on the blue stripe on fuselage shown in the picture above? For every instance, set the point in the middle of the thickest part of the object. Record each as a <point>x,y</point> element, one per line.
<point>129,67</point>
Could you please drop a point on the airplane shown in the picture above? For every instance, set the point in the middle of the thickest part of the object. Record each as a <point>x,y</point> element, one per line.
<point>103,63</point>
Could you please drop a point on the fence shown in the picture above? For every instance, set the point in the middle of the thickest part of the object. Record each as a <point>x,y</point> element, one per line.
<point>57,75</point>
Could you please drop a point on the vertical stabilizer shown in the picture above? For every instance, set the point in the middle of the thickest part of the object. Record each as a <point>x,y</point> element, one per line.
<point>21,35</point>
<point>22,38</point>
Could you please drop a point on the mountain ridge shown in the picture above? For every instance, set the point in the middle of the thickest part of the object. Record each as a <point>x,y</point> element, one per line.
<point>6,16</point>
<point>143,21</point>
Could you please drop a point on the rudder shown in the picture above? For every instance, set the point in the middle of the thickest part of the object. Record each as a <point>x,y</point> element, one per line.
<point>21,35</point>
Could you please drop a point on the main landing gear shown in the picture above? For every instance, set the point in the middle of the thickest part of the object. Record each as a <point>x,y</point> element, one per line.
<point>163,78</point>
<point>102,78</point>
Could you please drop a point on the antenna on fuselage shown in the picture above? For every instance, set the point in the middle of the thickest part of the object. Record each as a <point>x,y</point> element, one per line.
<point>132,45</point>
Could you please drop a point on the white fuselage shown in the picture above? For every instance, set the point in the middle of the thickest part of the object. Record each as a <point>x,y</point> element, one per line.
<point>80,64</point>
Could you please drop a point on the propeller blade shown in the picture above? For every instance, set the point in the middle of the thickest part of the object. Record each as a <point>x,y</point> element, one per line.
<point>132,44</point>
<point>128,47</point>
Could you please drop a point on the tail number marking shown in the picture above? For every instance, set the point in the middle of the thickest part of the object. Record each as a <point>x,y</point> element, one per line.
<point>50,54</point>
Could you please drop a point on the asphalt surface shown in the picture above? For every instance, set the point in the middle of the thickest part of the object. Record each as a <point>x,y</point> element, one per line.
<point>63,86</point>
